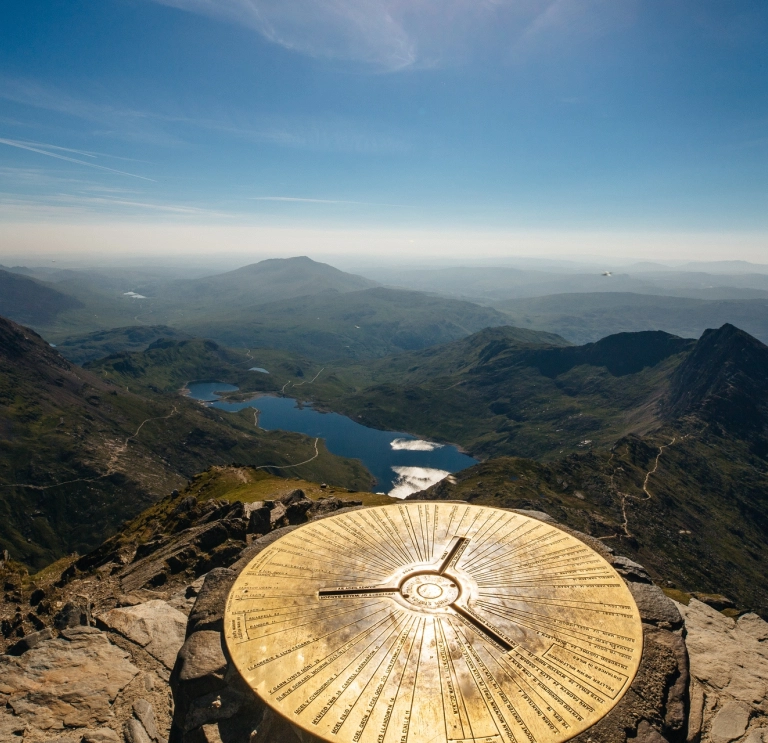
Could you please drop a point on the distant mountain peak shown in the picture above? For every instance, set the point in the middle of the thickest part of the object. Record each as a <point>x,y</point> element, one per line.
<point>724,380</point>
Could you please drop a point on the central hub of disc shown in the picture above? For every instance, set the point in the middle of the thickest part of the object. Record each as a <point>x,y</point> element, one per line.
<point>430,591</point>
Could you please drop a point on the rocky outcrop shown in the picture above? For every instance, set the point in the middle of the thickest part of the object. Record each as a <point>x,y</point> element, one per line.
<point>70,681</point>
<point>90,652</point>
<point>155,626</point>
<point>155,666</point>
<point>729,671</point>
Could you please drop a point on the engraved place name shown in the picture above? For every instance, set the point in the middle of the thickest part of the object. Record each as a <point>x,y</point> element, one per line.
<point>605,679</point>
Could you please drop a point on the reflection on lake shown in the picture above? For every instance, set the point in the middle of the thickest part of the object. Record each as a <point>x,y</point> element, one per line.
<point>401,463</point>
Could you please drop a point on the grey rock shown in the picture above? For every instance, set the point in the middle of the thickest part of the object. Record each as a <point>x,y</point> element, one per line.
<point>208,611</point>
<point>654,606</point>
<point>210,733</point>
<point>730,722</point>
<point>145,713</point>
<point>646,733</point>
<point>32,640</point>
<point>64,683</point>
<point>214,706</point>
<point>715,600</point>
<point>155,625</point>
<point>100,735</point>
<point>291,509</point>
<point>201,656</point>
<point>728,663</point>
<point>258,518</point>
<point>631,570</point>
<point>273,728</point>
<point>757,735</point>
<point>72,614</point>
<point>754,626</point>
<point>134,732</point>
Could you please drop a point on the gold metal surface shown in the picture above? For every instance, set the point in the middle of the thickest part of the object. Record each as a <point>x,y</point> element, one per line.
<point>434,622</point>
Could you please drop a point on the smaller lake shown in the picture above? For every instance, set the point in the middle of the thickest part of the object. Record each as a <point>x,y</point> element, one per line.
<point>402,464</point>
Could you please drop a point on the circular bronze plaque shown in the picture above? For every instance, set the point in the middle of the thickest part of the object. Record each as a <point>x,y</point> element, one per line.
<point>434,622</point>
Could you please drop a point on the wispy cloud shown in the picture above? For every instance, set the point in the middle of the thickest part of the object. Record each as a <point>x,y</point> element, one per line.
<point>363,30</point>
<point>69,206</point>
<point>393,35</point>
<point>174,129</point>
<point>321,201</point>
<point>22,146</point>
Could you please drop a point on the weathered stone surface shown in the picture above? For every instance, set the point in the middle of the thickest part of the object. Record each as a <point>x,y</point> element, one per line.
<point>724,659</point>
<point>32,640</point>
<point>654,606</point>
<point>201,655</point>
<point>155,625</point>
<point>730,665</point>
<point>134,732</point>
<point>145,713</point>
<point>630,569</point>
<point>291,509</point>
<point>647,734</point>
<point>730,722</point>
<point>696,713</point>
<point>69,681</point>
<point>208,611</point>
<point>258,515</point>
<point>715,600</point>
<point>100,735</point>
<point>754,626</point>
<point>72,614</point>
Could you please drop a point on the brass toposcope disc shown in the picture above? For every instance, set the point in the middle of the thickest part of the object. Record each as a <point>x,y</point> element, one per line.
<point>434,622</point>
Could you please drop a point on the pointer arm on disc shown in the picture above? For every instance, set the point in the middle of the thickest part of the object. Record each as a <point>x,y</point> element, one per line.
<point>489,632</point>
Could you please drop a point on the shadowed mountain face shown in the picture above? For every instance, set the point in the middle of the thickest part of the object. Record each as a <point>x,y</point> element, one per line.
<point>620,354</point>
<point>80,454</point>
<point>724,381</point>
<point>29,301</point>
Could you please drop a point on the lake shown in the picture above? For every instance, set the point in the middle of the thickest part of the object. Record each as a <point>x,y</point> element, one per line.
<point>401,463</point>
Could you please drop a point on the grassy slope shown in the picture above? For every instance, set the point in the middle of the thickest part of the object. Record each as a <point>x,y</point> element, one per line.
<point>362,324</point>
<point>101,343</point>
<point>73,435</point>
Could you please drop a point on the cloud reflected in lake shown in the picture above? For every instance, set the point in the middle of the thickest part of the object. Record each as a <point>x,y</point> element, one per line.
<point>414,445</point>
<point>412,479</point>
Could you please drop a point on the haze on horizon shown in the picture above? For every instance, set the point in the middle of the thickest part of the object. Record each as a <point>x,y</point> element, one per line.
<point>592,129</point>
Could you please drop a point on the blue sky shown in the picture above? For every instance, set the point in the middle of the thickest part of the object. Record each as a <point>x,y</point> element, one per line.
<point>625,118</point>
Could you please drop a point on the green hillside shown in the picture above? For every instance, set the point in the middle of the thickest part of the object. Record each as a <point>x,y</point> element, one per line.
<point>362,324</point>
<point>79,454</point>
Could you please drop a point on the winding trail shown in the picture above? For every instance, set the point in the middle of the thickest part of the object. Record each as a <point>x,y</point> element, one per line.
<point>111,464</point>
<point>298,384</point>
<point>627,496</point>
<point>288,466</point>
